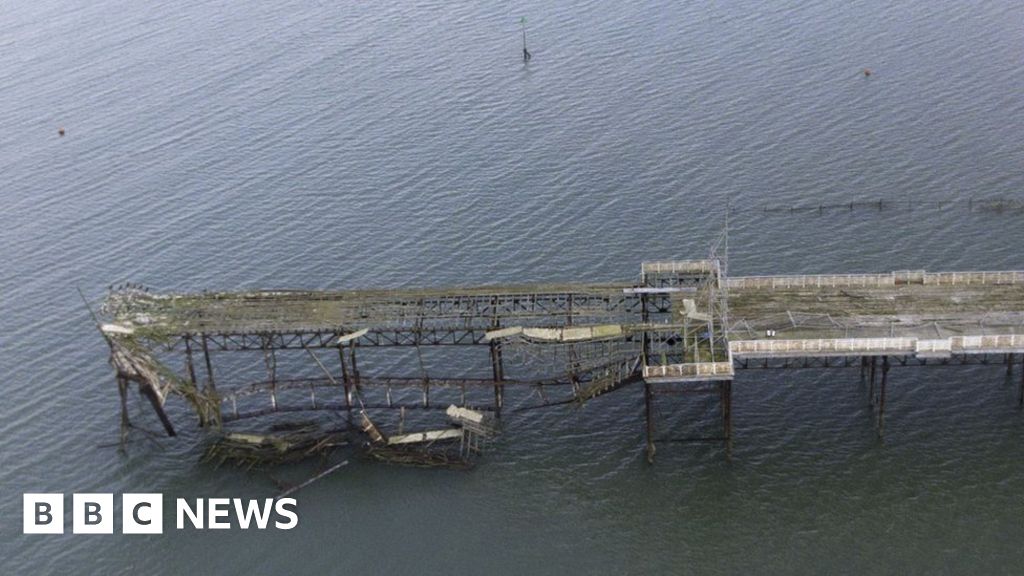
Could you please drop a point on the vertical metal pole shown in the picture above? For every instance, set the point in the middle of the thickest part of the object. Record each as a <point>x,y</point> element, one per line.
<point>1009,365</point>
<point>210,385</point>
<point>645,337</point>
<point>354,371</point>
<point>650,422</point>
<point>345,378</point>
<point>270,359</point>
<point>190,367</point>
<point>355,367</point>
<point>497,367</point>
<point>498,374</point>
<point>727,415</point>
<point>573,376</point>
<point>881,399</point>
<point>188,361</point>
<point>1020,402</point>
<point>871,388</point>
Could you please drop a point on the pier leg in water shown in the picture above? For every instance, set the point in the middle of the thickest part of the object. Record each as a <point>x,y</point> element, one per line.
<point>871,388</point>
<point>210,385</point>
<point>1020,401</point>
<point>191,369</point>
<point>189,365</point>
<point>122,388</point>
<point>345,380</point>
<point>881,396</point>
<point>354,368</point>
<point>1009,365</point>
<point>497,366</point>
<point>648,397</point>
<point>726,389</point>
<point>498,373</point>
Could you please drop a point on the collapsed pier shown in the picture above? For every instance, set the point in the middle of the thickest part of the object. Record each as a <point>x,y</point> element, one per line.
<point>680,327</point>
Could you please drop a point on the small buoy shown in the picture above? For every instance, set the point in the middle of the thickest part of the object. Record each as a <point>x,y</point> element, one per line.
<point>60,131</point>
<point>867,72</point>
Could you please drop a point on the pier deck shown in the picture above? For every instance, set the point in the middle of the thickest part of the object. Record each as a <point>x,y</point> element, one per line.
<point>683,323</point>
<point>799,317</point>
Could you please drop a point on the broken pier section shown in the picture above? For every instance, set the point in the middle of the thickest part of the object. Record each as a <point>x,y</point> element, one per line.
<point>683,327</point>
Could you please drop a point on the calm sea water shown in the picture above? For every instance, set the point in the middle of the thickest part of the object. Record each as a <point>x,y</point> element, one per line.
<point>316,144</point>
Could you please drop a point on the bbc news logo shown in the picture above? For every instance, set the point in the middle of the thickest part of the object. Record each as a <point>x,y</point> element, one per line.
<point>144,513</point>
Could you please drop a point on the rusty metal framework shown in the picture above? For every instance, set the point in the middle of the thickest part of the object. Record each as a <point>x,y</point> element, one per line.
<point>683,328</point>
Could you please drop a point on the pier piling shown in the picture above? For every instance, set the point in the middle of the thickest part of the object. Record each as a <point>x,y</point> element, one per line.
<point>871,388</point>
<point>210,385</point>
<point>649,416</point>
<point>881,396</point>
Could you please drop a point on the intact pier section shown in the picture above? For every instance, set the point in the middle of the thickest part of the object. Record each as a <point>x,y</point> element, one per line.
<point>683,328</point>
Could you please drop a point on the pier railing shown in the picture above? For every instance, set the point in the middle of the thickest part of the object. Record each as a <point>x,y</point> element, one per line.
<point>679,266</point>
<point>689,371</point>
<point>968,278</point>
<point>1005,343</point>
<point>994,344</point>
<point>875,280</point>
<point>822,346</point>
<point>811,280</point>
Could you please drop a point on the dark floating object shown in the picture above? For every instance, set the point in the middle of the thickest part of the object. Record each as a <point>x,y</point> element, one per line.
<point>867,72</point>
<point>60,131</point>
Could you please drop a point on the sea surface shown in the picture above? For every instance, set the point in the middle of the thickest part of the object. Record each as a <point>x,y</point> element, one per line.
<point>226,145</point>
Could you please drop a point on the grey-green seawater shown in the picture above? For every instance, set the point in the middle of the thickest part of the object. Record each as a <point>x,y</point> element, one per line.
<point>219,145</point>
